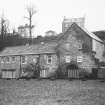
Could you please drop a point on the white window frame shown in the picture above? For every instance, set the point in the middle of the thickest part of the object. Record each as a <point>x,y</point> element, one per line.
<point>25,59</point>
<point>80,59</point>
<point>48,59</point>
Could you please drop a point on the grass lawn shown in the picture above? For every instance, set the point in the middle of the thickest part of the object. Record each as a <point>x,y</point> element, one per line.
<point>47,92</point>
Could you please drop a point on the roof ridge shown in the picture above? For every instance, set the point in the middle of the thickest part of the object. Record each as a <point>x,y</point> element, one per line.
<point>86,31</point>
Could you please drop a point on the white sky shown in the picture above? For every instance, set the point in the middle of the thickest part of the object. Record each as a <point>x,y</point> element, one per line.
<point>51,13</point>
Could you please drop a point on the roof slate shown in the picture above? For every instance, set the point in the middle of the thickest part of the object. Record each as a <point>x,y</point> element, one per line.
<point>49,46</point>
<point>29,49</point>
<point>92,35</point>
<point>100,34</point>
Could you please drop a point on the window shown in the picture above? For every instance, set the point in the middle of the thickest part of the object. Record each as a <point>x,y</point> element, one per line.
<point>67,45</point>
<point>79,44</point>
<point>66,25</point>
<point>67,59</point>
<point>49,59</point>
<point>34,60</point>
<point>7,59</point>
<point>24,59</point>
<point>13,59</point>
<point>2,59</point>
<point>79,59</point>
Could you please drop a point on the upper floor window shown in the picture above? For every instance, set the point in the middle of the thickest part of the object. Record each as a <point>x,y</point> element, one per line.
<point>49,59</point>
<point>79,59</point>
<point>79,44</point>
<point>24,59</point>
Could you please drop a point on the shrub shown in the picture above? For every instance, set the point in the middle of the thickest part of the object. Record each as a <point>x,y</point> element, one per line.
<point>102,64</point>
<point>83,74</point>
<point>61,72</point>
<point>30,71</point>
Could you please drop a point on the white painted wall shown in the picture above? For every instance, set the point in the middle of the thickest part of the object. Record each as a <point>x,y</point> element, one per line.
<point>99,49</point>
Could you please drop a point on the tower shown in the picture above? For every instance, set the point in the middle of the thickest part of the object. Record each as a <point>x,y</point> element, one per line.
<point>67,22</point>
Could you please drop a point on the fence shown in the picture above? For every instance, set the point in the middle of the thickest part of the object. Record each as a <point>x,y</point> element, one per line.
<point>73,73</point>
<point>101,73</point>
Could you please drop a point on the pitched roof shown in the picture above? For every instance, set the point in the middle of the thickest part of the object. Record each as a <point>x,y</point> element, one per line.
<point>93,36</point>
<point>50,43</point>
<point>100,34</point>
<point>29,49</point>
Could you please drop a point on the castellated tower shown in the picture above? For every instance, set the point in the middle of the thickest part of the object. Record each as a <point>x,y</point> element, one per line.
<point>68,21</point>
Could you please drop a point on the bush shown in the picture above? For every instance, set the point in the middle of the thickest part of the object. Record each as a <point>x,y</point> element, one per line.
<point>61,72</point>
<point>102,64</point>
<point>84,74</point>
<point>30,71</point>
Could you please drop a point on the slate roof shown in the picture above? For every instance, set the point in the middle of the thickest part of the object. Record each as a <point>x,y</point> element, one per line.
<point>29,49</point>
<point>100,34</point>
<point>49,46</point>
<point>92,35</point>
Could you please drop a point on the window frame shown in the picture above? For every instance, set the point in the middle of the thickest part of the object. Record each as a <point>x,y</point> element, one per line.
<point>12,59</point>
<point>78,57</point>
<point>25,59</point>
<point>80,44</point>
<point>67,58</point>
<point>49,58</point>
<point>7,59</point>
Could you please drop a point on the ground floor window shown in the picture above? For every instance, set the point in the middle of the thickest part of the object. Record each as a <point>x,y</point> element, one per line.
<point>2,59</point>
<point>24,59</point>
<point>49,59</point>
<point>67,59</point>
<point>13,58</point>
<point>7,59</point>
<point>79,59</point>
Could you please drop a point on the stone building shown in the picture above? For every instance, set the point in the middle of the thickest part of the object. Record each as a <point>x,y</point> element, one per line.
<point>23,30</point>
<point>76,47</point>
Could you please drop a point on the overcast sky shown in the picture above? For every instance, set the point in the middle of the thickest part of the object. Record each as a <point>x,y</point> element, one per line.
<point>51,13</point>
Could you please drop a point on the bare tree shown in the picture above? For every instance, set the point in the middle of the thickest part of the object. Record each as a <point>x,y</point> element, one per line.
<point>4,27</point>
<point>31,12</point>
